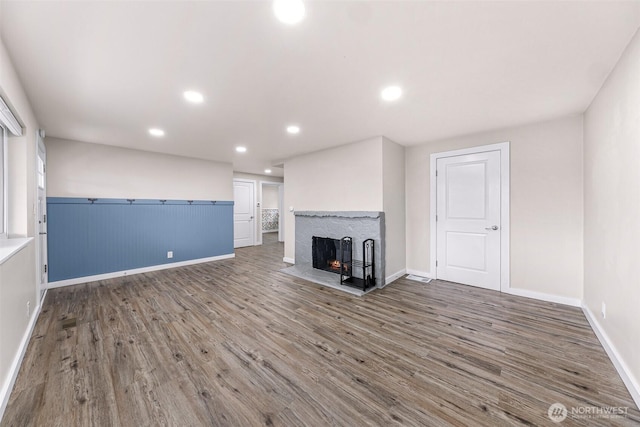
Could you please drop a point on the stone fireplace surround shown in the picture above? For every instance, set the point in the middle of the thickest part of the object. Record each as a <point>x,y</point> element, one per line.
<point>359,225</point>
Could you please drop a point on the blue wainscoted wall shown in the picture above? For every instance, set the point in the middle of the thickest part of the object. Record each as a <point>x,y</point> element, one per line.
<point>111,235</point>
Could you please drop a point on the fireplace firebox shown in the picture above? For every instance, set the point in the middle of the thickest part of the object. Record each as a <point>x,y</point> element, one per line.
<point>329,255</point>
<point>336,256</point>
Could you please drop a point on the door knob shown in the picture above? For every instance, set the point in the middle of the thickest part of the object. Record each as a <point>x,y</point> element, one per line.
<point>495,227</point>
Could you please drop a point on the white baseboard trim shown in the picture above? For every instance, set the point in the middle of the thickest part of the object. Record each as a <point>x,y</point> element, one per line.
<point>9,382</point>
<point>289,260</point>
<point>395,276</point>
<point>44,295</point>
<point>573,302</point>
<point>87,279</point>
<point>419,273</point>
<point>623,370</point>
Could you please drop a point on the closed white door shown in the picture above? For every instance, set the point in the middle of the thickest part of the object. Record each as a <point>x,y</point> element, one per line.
<point>42,216</point>
<point>468,219</point>
<point>243,213</point>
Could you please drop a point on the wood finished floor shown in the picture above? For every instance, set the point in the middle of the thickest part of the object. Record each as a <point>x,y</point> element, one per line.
<point>238,343</point>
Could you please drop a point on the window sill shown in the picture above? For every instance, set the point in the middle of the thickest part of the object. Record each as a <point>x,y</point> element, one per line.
<point>9,247</point>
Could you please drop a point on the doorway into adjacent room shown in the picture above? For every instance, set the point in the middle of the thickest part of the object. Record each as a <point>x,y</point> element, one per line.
<point>271,225</point>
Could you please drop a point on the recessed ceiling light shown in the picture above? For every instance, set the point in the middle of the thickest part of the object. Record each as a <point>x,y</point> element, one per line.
<point>156,132</point>
<point>391,93</point>
<point>293,129</point>
<point>289,11</point>
<point>267,171</point>
<point>241,149</point>
<point>193,96</point>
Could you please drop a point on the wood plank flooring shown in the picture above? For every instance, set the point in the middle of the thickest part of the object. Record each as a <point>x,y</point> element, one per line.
<point>237,343</point>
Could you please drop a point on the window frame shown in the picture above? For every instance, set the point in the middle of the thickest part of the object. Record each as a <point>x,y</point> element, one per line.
<point>9,125</point>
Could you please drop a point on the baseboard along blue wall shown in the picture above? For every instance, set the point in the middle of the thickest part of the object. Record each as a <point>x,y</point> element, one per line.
<point>87,237</point>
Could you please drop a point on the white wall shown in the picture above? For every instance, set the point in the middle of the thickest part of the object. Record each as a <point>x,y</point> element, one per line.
<point>546,203</point>
<point>18,274</point>
<point>257,178</point>
<point>612,208</point>
<point>17,284</point>
<point>345,178</point>
<point>269,196</point>
<point>79,169</point>
<point>393,202</point>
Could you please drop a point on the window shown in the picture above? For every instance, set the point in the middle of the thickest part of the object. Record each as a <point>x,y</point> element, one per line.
<point>8,123</point>
<point>40,173</point>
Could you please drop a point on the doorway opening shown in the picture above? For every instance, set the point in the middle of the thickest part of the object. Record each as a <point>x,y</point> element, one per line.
<point>271,223</point>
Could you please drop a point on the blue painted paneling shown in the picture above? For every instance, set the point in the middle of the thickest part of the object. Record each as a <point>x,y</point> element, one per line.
<point>111,235</point>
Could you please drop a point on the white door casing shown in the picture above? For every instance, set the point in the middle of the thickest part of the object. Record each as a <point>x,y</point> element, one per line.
<point>470,199</point>
<point>41,173</point>
<point>468,219</point>
<point>281,213</point>
<point>243,213</point>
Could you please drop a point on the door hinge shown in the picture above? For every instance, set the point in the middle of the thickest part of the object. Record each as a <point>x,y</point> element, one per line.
<point>45,268</point>
<point>436,172</point>
<point>44,218</point>
<point>436,218</point>
<point>436,263</point>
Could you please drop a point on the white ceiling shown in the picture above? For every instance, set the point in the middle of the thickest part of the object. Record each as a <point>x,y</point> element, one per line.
<point>104,72</point>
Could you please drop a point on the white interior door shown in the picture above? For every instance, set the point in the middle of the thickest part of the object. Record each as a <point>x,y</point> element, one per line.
<point>243,213</point>
<point>42,217</point>
<point>468,219</point>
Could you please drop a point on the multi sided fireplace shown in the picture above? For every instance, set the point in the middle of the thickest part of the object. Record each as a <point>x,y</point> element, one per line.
<point>336,256</point>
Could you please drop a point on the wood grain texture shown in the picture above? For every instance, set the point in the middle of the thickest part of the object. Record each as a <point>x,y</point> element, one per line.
<point>237,343</point>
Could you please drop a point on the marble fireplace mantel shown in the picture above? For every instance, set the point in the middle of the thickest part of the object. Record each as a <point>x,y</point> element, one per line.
<point>340,214</point>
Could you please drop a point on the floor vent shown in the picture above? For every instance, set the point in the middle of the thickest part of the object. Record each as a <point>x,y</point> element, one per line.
<point>418,278</point>
<point>69,323</point>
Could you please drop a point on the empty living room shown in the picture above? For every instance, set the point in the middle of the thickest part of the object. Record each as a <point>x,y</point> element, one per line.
<point>319,213</point>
